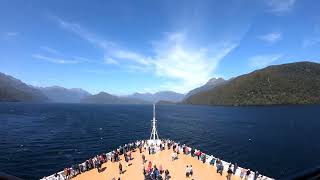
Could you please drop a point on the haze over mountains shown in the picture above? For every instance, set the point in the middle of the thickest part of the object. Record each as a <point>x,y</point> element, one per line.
<point>105,98</point>
<point>159,96</point>
<point>64,95</point>
<point>14,90</point>
<point>294,83</point>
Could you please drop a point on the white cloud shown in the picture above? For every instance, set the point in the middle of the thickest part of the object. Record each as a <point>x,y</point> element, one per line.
<point>110,49</point>
<point>50,50</point>
<point>8,35</point>
<point>261,61</point>
<point>189,67</point>
<point>83,33</point>
<point>11,34</point>
<point>54,56</point>
<point>271,37</point>
<point>182,66</point>
<point>108,60</point>
<point>83,59</point>
<point>53,59</point>
<point>138,69</point>
<point>129,55</point>
<point>97,71</point>
<point>280,6</point>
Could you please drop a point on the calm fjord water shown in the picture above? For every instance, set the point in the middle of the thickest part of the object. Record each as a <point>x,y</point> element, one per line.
<point>40,139</point>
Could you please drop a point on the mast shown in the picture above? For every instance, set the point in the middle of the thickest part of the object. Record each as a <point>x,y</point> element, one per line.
<point>154,133</point>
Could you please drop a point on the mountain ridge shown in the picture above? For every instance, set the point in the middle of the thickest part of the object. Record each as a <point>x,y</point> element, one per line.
<point>64,95</point>
<point>158,96</point>
<point>292,83</point>
<point>106,98</point>
<point>14,90</point>
<point>212,83</point>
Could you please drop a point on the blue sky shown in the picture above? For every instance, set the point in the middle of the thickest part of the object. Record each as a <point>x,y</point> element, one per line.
<point>123,47</point>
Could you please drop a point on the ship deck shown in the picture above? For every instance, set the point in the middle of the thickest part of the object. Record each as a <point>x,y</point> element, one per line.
<point>177,168</point>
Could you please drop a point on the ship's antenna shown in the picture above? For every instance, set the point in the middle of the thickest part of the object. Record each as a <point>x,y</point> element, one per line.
<point>154,133</point>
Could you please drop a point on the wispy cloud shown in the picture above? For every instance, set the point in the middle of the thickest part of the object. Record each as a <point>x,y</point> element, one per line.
<point>53,59</point>
<point>83,59</point>
<point>52,55</point>
<point>11,34</point>
<point>261,61</point>
<point>271,37</point>
<point>97,71</point>
<point>83,33</point>
<point>172,58</point>
<point>280,6</point>
<point>50,50</point>
<point>109,60</point>
<point>111,49</point>
<point>129,55</point>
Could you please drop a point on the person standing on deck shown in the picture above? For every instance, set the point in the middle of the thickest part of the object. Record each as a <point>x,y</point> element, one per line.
<point>143,158</point>
<point>120,168</point>
<point>243,172</point>
<point>174,156</point>
<point>247,174</point>
<point>167,174</point>
<point>192,152</point>
<point>66,175</point>
<point>198,154</point>
<point>191,170</point>
<point>130,156</point>
<point>98,166</point>
<point>156,172</point>
<point>126,159</point>
<point>229,173</point>
<point>187,172</point>
<point>256,175</point>
<point>203,157</point>
<point>160,169</point>
<point>219,167</point>
<point>149,166</point>
<point>235,167</point>
<point>144,171</point>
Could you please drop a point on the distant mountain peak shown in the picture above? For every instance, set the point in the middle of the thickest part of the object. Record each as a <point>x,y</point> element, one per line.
<point>106,98</point>
<point>158,96</point>
<point>212,83</point>
<point>104,93</point>
<point>64,95</point>
<point>215,80</point>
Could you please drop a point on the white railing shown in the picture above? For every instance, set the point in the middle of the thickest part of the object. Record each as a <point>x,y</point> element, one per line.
<point>208,160</point>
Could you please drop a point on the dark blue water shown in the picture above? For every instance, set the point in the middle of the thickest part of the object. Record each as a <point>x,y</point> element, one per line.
<point>40,139</point>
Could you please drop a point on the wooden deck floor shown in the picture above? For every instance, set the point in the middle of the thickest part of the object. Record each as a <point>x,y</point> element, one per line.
<point>176,168</point>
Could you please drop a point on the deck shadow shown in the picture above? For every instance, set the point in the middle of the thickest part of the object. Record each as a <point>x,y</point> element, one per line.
<point>103,169</point>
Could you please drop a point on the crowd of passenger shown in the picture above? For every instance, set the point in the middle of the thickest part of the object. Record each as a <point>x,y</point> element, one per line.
<point>154,172</point>
<point>96,162</point>
<point>178,148</point>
